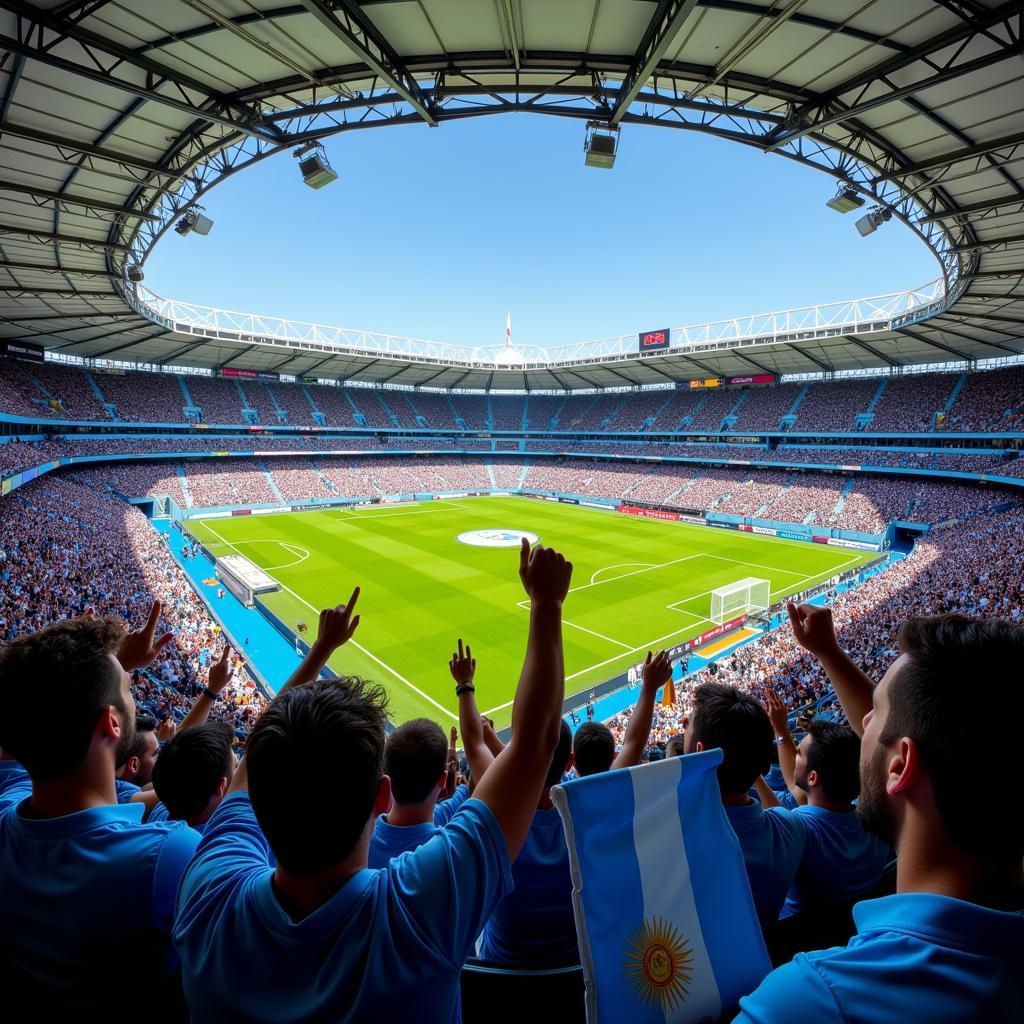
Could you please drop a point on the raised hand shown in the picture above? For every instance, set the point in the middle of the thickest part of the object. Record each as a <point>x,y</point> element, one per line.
<point>545,574</point>
<point>166,729</point>
<point>778,713</point>
<point>221,672</point>
<point>813,628</point>
<point>137,650</point>
<point>462,666</point>
<point>657,669</point>
<point>337,625</point>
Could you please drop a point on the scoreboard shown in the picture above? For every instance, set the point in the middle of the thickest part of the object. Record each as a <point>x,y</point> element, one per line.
<point>654,341</point>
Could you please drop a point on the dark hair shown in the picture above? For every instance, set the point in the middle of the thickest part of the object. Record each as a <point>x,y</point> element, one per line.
<point>674,747</point>
<point>834,753</point>
<point>143,723</point>
<point>594,747</point>
<point>69,666</point>
<point>190,767</point>
<point>732,719</point>
<point>560,758</point>
<point>415,757</point>
<point>326,737</point>
<point>929,703</point>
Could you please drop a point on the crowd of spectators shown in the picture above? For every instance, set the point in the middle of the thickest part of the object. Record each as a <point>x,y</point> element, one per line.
<point>909,403</point>
<point>143,398</point>
<point>991,401</point>
<point>762,408</point>
<point>832,406</point>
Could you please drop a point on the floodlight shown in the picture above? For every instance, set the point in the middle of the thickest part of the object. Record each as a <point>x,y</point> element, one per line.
<point>193,220</point>
<point>845,200</point>
<point>600,145</point>
<point>133,272</point>
<point>873,220</point>
<point>313,165</point>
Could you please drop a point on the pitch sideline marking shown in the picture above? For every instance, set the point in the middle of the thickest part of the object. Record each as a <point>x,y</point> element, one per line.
<point>292,549</point>
<point>358,646</point>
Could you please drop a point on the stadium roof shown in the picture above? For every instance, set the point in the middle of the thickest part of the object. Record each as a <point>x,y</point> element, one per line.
<point>115,117</point>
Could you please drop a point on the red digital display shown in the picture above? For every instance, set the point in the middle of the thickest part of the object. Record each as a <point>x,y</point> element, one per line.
<point>757,378</point>
<point>654,341</point>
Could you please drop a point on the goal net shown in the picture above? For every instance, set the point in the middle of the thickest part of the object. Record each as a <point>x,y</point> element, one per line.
<point>749,595</point>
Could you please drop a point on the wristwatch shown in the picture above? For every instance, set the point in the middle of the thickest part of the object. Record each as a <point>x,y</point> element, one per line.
<point>464,688</point>
<point>207,692</point>
<point>779,740</point>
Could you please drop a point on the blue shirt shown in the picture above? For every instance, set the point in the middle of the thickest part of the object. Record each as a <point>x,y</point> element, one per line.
<point>160,813</point>
<point>916,956</point>
<point>534,926</point>
<point>772,841</point>
<point>78,890</point>
<point>15,784</point>
<point>389,840</point>
<point>841,860</point>
<point>125,790</point>
<point>388,944</point>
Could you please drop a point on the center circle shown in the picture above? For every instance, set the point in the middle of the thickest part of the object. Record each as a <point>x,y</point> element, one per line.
<point>496,538</point>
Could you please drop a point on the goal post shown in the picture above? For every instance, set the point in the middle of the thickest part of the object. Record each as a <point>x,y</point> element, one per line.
<point>740,598</point>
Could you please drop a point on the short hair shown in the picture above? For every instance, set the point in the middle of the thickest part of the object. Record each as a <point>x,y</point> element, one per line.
<point>928,703</point>
<point>675,746</point>
<point>190,767</point>
<point>324,737</point>
<point>561,756</point>
<point>415,757</point>
<point>594,747</point>
<point>732,719</point>
<point>69,666</point>
<point>834,753</point>
<point>143,723</point>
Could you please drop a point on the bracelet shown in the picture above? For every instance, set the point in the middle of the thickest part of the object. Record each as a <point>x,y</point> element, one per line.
<point>464,688</point>
<point>779,740</point>
<point>207,692</point>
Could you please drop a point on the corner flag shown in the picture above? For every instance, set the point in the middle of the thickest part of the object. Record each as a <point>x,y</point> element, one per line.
<point>666,923</point>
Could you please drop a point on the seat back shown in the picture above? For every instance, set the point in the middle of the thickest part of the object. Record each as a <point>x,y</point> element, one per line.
<point>556,994</point>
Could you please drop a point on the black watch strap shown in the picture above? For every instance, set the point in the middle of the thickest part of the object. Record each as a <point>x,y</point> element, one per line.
<point>464,688</point>
<point>207,692</point>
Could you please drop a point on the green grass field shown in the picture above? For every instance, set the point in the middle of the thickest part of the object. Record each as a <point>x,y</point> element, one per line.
<point>637,584</point>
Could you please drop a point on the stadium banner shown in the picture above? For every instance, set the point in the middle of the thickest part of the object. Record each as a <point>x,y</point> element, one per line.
<point>664,914</point>
<point>703,382</point>
<point>717,631</point>
<point>271,511</point>
<point>647,513</point>
<point>766,530</point>
<point>654,341</point>
<point>745,527</point>
<point>696,520</point>
<point>789,535</point>
<point>757,378</point>
<point>819,540</point>
<point>230,371</point>
<point>24,350</point>
<point>858,544</point>
<point>241,511</point>
<point>720,525</point>
<point>569,501</point>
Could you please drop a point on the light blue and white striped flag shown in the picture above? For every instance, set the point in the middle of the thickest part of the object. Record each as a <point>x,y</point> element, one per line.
<point>667,927</point>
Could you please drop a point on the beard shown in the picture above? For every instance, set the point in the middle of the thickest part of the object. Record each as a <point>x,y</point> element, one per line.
<point>127,740</point>
<point>873,808</point>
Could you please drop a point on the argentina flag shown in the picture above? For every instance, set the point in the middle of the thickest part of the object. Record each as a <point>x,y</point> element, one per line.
<point>666,922</point>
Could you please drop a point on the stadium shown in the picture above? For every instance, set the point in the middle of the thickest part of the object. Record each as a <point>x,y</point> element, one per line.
<point>196,489</point>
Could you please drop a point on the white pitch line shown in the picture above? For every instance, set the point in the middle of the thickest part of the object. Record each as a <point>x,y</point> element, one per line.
<point>357,646</point>
<point>621,565</point>
<point>637,572</point>
<point>566,622</point>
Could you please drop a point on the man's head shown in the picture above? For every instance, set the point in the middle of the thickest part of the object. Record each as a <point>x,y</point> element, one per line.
<point>593,746</point>
<point>920,749</point>
<point>140,758</point>
<point>416,761</point>
<point>73,666</point>
<point>561,760</point>
<point>828,762</point>
<point>193,771</point>
<point>732,719</point>
<point>676,746</point>
<point>315,761</point>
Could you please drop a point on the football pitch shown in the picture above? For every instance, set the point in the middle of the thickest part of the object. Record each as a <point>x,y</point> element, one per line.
<point>637,584</point>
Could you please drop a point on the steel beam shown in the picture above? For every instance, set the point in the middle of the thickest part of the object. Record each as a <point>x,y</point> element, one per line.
<point>61,198</point>
<point>979,207</point>
<point>31,23</point>
<point>954,156</point>
<point>936,344</point>
<point>17,67</point>
<point>59,238</point>
<point>63,292</point>
<point>6,318</point>
<point>346,20</point>
<point>44,269</point>
<point>988,243</point>
<point>860,343</point>
<point>661,30</point>
<point>753,362</point>
<point>827,367</point>
<point>827,100</point>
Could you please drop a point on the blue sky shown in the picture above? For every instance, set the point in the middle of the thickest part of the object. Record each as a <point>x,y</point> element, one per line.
<point>436,233</point>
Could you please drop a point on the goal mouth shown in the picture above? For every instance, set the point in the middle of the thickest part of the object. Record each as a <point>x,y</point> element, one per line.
<point>740,598</point>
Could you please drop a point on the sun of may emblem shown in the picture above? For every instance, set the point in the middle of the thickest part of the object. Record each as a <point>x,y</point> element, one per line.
<point>659,964</point>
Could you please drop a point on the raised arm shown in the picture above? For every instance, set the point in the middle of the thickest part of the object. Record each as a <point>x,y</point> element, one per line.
<point>814,631</point>
<point>220,675</point>
<point>657,672</point>
<point>494,744</point>
<point>512,784</point>
<point>463,668</point>
<point>335,629</point>
<point>778,713</point>
<point>143,647</point>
